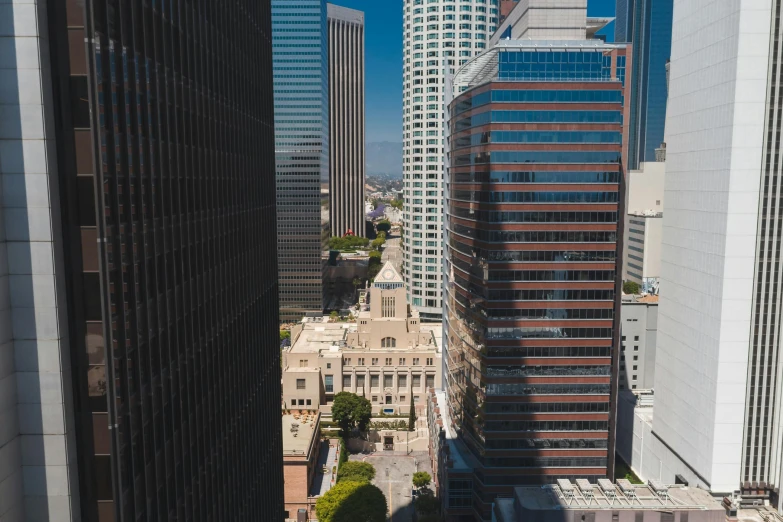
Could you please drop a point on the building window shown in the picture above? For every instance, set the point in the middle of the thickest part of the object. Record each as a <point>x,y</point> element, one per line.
<point>388,361</point>
<point>635,357</point>
<point>388,399</point>
<point>635,348</point>
<point>635,337</point>
<point>387,306</point>
<point>328,365</point>
<point>415,361</point>
<point>346,381</point>
<point>360,381</point>
<point>402,381</point>
<point>430,382</point>
<point>361,361</point>
<point>416,381</point>
<point>388,342</point>
<point>309,402</point>
<point>402,361</point>
<point>429,361</point>
<point>387,380</point>
<point>329,383</point>
<point>375,361</point>
<point>402,399</point>
<point>303,363</point>
<point>348,361</point>
<point>374,379</point>
<point>300,384</point>
<point>374,398</point>
<point>416,398</point>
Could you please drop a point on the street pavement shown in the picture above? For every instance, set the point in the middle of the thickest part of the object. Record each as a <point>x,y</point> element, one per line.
<point>392,252</point>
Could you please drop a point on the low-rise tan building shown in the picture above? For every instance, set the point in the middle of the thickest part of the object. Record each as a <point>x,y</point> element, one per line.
<point>386,354</point>
<point>301,447</point>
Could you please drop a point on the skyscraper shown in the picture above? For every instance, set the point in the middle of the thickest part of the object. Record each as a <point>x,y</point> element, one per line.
<point>718,384</point>
<point>301,79</point>
<point>648,25</point>
<point>346,122</point>
<point>534,181</point>
<point>438,37</point>
<point>140,302</point>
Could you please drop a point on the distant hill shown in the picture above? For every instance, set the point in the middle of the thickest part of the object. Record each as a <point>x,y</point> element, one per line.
<point>384,159</point>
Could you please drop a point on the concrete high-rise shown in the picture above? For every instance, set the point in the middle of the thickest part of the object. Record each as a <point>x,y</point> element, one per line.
<point>647,24</point>
<point>139,369</point>
<point>534,182</point>
<point>346,120</point>
<point>301,79</point>
<point>718,386</point>
<point>439,36</point>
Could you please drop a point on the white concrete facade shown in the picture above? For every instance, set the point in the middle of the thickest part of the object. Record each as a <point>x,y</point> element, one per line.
<point>38,479</point>
<point>639,332</point>
<point>438,37</point>
<point>715,132</point>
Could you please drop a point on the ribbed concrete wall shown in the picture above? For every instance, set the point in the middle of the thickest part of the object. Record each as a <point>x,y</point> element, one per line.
<point>346,122</point>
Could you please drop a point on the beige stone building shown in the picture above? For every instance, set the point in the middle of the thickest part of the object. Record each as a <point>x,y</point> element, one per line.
<point>386,355</point>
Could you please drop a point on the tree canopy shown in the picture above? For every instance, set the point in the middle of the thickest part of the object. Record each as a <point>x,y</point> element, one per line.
<point>356,471</point>
<point>630,287</point>
<point>383,225</point>
<point>351,411</point>
<point>348,242</point>
<point>352,501</point>
<point>396,203</point>
<point>421,479</point>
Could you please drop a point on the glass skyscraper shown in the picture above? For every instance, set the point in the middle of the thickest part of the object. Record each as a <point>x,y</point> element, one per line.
<point>301,80</point>
<point>647,24</point>
<point>533,191</point>
<point>138,200</point>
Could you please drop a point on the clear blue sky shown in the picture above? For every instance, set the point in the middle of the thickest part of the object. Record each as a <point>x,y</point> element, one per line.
<point>383,50</point>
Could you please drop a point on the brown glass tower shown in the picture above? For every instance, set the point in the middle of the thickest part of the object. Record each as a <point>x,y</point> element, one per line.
<point>164,149</point>
<point>535,177</point>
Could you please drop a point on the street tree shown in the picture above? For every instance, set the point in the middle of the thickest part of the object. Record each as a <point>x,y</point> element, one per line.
<point>352,501</point>
<point>351,411</point>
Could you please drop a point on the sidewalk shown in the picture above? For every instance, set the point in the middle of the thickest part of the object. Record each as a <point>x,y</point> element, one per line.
<point>322,482</point>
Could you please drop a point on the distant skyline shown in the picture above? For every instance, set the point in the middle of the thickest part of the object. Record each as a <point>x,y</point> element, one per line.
<point>383,51</point>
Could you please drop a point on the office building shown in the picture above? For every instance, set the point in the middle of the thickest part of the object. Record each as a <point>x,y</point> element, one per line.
<point>535,152</point>
<point>643,224</point>
<point>647,24</point>
<point>302,446</point>
<point>386,354</point>
<point>638,336</point>
<point>439,36</point>
<point>301,79</point>
<point>719,317</point>
<point>346,120</point>
<point>137,269</point>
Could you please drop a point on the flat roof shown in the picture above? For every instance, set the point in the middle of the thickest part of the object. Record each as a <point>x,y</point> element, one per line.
<point>610,496</point>
<point>298,433</point>
<point>319,336</point>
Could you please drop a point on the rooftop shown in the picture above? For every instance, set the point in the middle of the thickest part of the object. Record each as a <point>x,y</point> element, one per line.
<point>298,431</point>
<point>318,336</point>
<point>607,495</point>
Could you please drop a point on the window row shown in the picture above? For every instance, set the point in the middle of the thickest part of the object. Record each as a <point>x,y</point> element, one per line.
<point>546,407</point>
<point>551,295</point>
<point>547,389</point>
<point>553,116</point>
<point>532,156</point>
<point>547,425</point>
<point>548,333</point>
<point>538,96</point>
<point>535,177</point>
<point>494,216</point>
<point>486,138</point>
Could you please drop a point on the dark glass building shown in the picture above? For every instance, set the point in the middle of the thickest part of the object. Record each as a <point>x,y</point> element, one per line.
<point>534,190</point>
<point>301,83</point>
<point>163,126</point>
<point>647,24</point>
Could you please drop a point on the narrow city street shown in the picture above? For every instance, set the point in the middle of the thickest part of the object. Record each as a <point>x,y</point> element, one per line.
<point>392,252</point>
<point>394,476</point>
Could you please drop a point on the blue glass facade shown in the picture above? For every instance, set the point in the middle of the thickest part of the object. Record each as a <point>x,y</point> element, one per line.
<point>301,90</point>
<point>648,25</point>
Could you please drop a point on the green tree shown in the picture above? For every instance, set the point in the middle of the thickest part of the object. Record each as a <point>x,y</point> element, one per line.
<point>356,471</point>
<point>427,504</point>
<point>284,334</point>
<point>356,283</point>
<point>351,501</point>
<point>397,203</point>
<point>630,287</point>
<point>378,242</point>
<point>421,479</point>
<point>351,411</point>
<point>383,225</point>
<point>412,415</point>
<point>374,265</point>
<point>333,315</point>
